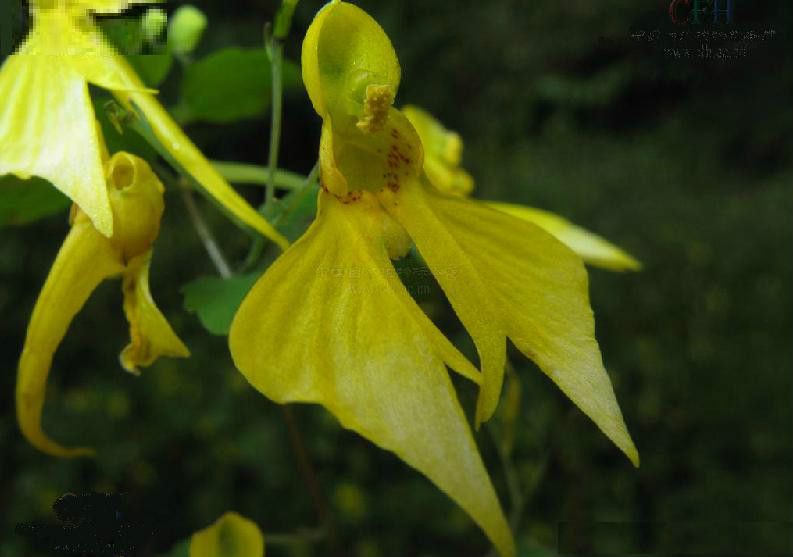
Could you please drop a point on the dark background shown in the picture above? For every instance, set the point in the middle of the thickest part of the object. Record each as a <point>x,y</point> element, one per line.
<point>566,106</point>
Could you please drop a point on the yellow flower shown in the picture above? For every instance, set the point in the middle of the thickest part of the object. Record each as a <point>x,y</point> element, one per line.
<point>85,259</point>
<point>331,323</point>
<point>231,535</point>
<point>443,153</point>
<point>47,124</point>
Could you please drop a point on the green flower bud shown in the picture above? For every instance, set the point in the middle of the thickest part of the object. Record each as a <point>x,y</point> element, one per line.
<point>185,29</point>
<point>153,24</point>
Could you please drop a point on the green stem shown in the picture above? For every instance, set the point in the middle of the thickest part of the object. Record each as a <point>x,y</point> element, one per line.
<point>205,234</point>
<point>276,63</point>
<point>241,173</point>
<point>310,475</point>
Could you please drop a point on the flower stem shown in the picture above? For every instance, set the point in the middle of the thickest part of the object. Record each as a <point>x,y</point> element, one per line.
<point>516,497</point>
<point>276,51</point>
<point>309,474</point>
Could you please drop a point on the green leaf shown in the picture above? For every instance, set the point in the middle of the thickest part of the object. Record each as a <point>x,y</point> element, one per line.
<point>180,549</point>
<point>292,214</point>
<point>229,85</point>
<point>216,300</point>
<point>152,68</point>
<point>123,33</point>
<point>25,201</point>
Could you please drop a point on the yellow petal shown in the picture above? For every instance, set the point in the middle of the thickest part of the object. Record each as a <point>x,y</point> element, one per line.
<point>448,179</point>
<point>184,152</point>
<point>151,335</point>
<point>444,144</point>
<point>541,290</point>
<point>231,535</point>
<point>442,155</point>
<point>75,41</point>
<point>310,59</point>
<point>463,284</point>
<point>331,323</point>
<point>85,259</point>
<point>443,150</point>
<point>112,6</point>
<point>48,129</point>
<point>592,248</point>
<point>345,52</point>
<point>136,196</point>
<point>332,179</point>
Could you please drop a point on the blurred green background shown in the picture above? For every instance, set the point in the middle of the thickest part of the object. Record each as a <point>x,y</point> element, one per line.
<point>566,106</point>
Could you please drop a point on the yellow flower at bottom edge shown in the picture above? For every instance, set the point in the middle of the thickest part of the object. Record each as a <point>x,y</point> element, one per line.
<point>231,535</point>
<point>85,259</point>
<point>47,123</point>
<point>443,152</point>
<point>331,323</point>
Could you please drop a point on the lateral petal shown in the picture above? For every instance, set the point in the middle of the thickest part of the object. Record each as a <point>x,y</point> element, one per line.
<point>48,129</point>
<point>542,291</point>
<point>150,334</point>
<point>461,281</point>
<point>330,323</point>
<point>85,259</point>
<point>593,249</point>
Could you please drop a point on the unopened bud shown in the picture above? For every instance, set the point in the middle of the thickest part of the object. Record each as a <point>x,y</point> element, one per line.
<point>153,24</point>
<point>185,29</point>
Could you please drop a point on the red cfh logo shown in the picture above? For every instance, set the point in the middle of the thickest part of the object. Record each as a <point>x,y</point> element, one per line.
<point>678,8</point>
